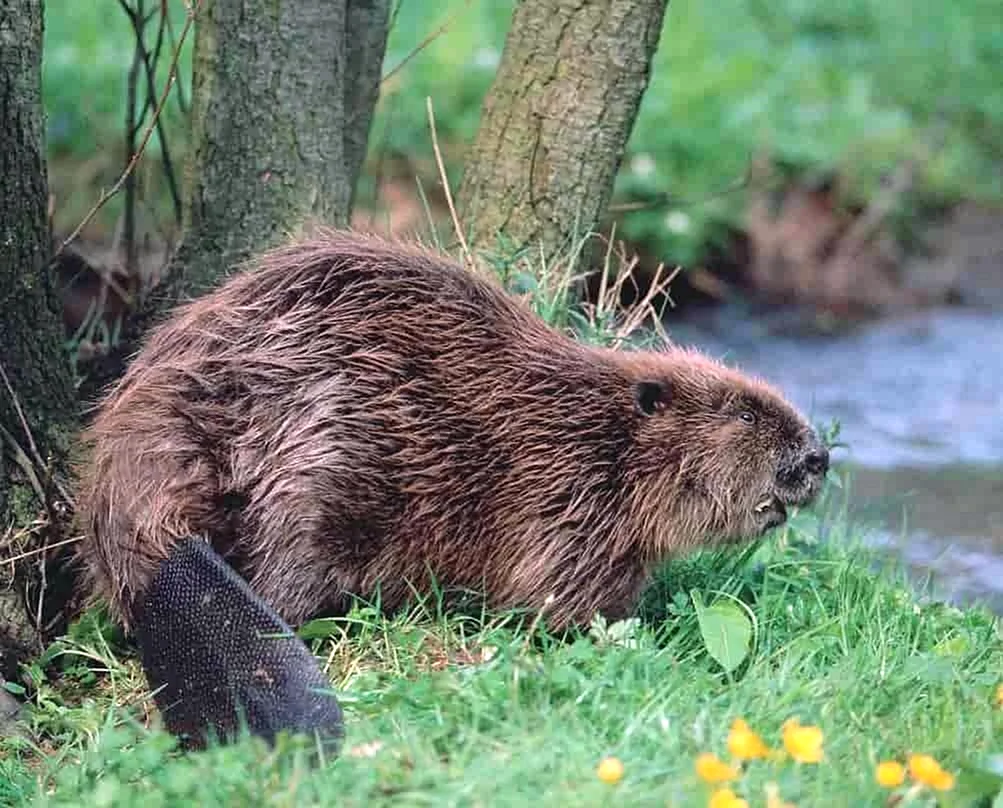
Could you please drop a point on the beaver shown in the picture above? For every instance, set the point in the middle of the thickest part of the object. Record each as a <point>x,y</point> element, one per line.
<point>351,415</point>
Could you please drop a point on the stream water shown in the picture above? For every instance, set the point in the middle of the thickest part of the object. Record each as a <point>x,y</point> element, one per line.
<point>920,403</point>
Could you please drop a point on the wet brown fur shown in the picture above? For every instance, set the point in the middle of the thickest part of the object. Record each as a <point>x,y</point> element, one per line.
<point>352,414</point>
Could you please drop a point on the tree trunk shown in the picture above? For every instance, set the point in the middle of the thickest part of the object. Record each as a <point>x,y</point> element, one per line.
<point>557,119</point>
<point>366,30</point>
<point>283,98</point>
<point>33,360</point>
<point>276,140</point>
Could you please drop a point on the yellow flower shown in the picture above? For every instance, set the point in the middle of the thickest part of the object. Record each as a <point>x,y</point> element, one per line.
<point>726,798</point>
<point>890,773</point>
<point>710,769</point>
<point>745,744</point>
<point>610,770</point>
<point>999,694</point>
<point>926,770</point>
<point>804,744</point>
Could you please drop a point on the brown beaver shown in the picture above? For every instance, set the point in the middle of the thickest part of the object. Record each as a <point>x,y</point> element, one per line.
<point>355,416</point>
<point>354,413</point>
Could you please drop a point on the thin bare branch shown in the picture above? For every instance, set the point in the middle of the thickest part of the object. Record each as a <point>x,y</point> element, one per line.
<point>183,105</point>
<point>36,455</point>
<point>171,77</point>
<point>20,416</point>
<point>445,185</point>
<point>428,40</point>
<point>40,550</point>
<point>131,129</point>
<point>149,61</point>
<point>667,198</point>
<point>24,463</point>
<point>630,318</point>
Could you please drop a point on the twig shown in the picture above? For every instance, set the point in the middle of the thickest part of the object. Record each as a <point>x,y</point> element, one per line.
<point>867,225</point>
<point>43,583</point>
<point>354,114</point>
<point>630,317</point>
<point>171,77</point>
<point>20,416</point>
<point>36,455</point>
<point>445,185</point>
<point>393,14</point>
<point>24,463</point>
<point>40,550</point>
<point>667,198</point>
<point>646,307</point>
<point>149,61</point>
<point>604,278</point>
<point>183,105</point>
<point>537,619</point>
<point>131,128</point>
<point>423,44</point>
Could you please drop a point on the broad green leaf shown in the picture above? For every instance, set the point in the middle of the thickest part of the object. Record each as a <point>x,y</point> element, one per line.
<point>726,630</point>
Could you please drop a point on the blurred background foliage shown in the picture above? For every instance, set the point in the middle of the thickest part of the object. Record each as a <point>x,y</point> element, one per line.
<point>841,89</point>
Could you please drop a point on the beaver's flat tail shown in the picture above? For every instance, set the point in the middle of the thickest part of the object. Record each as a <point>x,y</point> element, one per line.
<point>220,659</point>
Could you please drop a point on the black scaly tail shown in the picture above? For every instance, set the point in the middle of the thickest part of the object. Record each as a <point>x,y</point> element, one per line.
<point>219,658</point>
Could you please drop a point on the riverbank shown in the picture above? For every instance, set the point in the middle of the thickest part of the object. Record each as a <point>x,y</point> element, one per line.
<point>447,711</point>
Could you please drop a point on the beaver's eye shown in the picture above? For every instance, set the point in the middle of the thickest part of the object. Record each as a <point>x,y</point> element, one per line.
<point>748,417</point>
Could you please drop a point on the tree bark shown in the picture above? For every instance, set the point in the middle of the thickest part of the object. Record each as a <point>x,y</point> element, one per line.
<point>277,141</point>
<point>33,360</point>
<point>283,98</point>
<point>366,31</point>
<point>557,119</point>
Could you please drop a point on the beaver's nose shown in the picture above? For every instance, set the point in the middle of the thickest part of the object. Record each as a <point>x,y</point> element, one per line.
<point>817,461</point>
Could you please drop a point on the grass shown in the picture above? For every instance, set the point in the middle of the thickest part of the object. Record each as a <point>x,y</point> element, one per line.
<point>448,708</point>
<point>444,709</point>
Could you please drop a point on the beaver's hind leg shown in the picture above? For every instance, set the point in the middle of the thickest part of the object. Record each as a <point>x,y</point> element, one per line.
<point>219,658</point>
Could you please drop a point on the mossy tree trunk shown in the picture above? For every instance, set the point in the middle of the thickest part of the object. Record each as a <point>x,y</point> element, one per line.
<point>557,119</point>
<point>283,97</point>
<point>32,355</point>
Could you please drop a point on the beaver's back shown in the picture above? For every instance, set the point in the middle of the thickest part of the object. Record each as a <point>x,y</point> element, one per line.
<point>346,415</point>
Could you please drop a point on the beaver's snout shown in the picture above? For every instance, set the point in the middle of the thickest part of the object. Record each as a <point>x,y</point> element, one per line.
<point>817,461</point>
<point>799,480</point>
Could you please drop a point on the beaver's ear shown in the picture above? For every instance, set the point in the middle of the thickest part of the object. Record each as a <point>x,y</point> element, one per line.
<point>651,396</point>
